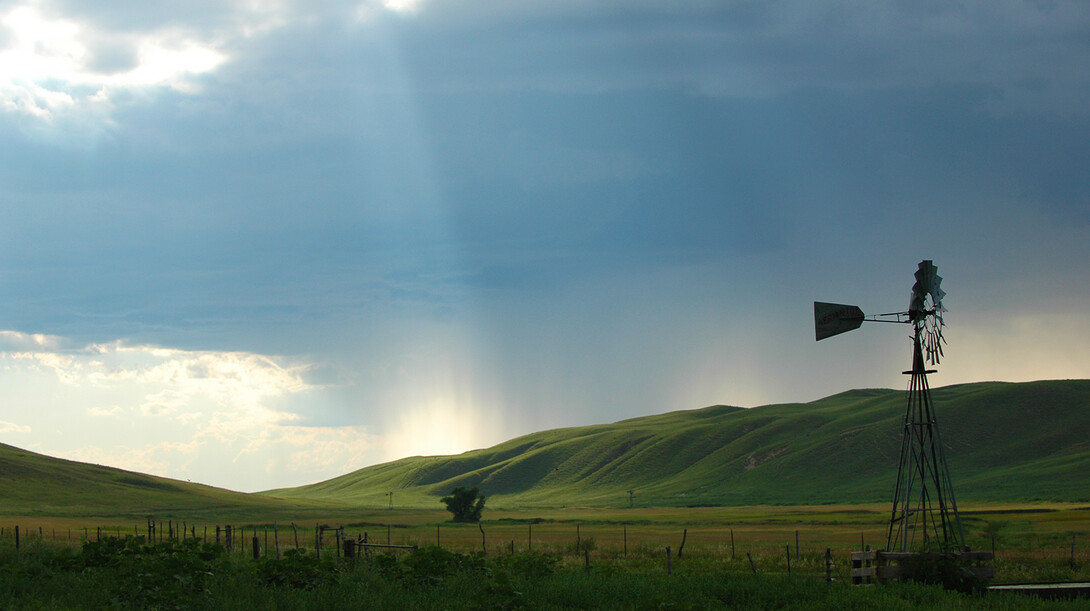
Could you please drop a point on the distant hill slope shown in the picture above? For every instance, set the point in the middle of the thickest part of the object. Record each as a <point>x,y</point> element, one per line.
<point>37,485</point>
<point>1005,442</point>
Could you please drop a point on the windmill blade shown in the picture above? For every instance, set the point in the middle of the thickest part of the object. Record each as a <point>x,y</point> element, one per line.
<point>835,318</point>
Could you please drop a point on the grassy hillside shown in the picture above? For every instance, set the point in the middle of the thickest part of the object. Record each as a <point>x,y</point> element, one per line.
<point>37,485</point>
<point>1005,442</point>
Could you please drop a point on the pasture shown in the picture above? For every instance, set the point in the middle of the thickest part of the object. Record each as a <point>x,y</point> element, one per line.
<point>615,558</point>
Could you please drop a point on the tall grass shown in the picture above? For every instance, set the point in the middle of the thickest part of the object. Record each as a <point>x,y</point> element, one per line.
<point>131,573</point>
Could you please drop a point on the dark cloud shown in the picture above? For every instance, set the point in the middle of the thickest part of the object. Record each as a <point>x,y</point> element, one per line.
<point>468,156</point>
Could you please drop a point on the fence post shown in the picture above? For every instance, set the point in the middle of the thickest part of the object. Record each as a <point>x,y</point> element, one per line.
<point>684,534</point>
<point>586,554</point>
<point>866,563</point>
<point>349,549</point>
<point>1072,550</point>
<point>752,566</point>
<point>788,549</point>
<point>732,544</point>
<point>276,539</point>
<point>669,569</point>
<point>797,545</point>
<point>16,537</point>
<point>257,548</point>
<point>828,565</point>
<point>625,534</point>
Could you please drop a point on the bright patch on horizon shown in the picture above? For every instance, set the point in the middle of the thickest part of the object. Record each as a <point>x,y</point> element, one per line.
<point>179,413</point>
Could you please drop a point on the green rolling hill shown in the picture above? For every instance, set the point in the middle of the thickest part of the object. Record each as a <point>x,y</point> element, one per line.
<point>37,485</point>
<point>1005,442</point>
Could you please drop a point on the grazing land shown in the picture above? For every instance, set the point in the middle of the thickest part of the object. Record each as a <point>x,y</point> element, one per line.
<point>578,558</point>
<point>757,507</point>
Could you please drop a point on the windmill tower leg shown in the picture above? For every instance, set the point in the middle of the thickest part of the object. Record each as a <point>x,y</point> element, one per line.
<point>924,507</point>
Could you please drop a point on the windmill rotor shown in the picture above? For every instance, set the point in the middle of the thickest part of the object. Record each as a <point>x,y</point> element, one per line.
<point>925,309</point>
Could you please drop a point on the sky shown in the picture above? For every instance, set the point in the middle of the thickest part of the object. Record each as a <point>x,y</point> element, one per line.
<point>258,244</point>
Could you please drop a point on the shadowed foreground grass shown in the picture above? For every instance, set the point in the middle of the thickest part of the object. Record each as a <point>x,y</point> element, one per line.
<point>128,573</point>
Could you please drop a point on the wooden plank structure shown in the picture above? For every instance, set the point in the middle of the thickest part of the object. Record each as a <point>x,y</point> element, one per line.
<point>879,566</point>
<point>1047,591</point>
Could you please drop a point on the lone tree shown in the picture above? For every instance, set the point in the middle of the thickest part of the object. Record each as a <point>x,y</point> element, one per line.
<point>465,503</point>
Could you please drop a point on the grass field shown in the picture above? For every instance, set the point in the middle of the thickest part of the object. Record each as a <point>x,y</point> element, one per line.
<point>575,558</point>
<point>748,501</point>
<point>1032,542</point>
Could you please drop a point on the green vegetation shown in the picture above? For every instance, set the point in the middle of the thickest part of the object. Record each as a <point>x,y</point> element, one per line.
<point>1005,442</point>
<point>728,482</point>
<point>465,504</point>
<point>189,574</point>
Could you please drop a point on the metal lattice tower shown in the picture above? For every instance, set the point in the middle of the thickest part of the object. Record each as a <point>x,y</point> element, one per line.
<point>925,512</point>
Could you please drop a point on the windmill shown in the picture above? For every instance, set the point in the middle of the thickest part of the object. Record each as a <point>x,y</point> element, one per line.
<point>924,508</point>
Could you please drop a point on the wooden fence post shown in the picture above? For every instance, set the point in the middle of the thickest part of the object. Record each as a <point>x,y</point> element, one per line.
<point>484,548</point>
<point>295,531</point>
<point>788,548</point>
<point>257,548</point>
<point>796,545</point>
<point>625,534</point>
<point>669,569</point>
<point>866,563</point>
<point>586,555</point>
<point>828,565</point>
<point>732,544</point>
<point>684,534</point>
<point>276,539</point>
<point>1072,550</point>
<point>752,566</point>
<point>16,537</point>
